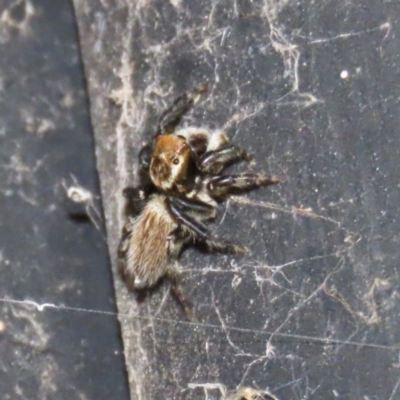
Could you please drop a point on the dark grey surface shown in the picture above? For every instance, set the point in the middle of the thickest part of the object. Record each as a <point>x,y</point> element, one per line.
<point>311,89</point>
<point>46,256</point>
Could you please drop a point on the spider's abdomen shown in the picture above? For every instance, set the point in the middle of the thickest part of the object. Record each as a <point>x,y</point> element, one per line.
<point>144,249</point>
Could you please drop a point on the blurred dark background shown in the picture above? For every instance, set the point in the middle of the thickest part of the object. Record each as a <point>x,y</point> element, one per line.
<point>50,252</point>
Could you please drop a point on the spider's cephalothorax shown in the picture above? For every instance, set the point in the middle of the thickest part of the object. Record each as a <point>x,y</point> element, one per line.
<point>170,162</point>
<point>186,184</point>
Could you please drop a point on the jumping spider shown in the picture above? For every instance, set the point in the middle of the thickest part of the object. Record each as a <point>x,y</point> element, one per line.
<point>181,187</point>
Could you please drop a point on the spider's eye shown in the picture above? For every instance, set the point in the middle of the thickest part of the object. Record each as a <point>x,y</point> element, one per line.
<point>176,161</point>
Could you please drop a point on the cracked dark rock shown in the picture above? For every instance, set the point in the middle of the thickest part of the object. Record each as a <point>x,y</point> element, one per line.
<point>297,84</point>
<point>310,89</point>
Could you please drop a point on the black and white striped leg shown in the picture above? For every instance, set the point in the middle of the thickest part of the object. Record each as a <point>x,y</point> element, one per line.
<point>213,162</point>
<point>199,233</point>
<point>202,211</point>
<point>225,185</point>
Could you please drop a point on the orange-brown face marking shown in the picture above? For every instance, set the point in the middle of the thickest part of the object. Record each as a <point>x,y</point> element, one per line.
<point>169,162</point>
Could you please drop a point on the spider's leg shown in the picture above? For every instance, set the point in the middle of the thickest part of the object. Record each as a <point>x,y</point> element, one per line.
<point>171,117</point>
<point>180,296</point>
<point>224,185</point>
<point>213,162</point>
<point>199,233</point>
<point>136,198</point>
<point>194,207</point>
<point>175,240</point>
<point>222,246</point>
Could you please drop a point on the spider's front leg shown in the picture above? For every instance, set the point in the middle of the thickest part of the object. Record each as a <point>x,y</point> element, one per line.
<point>197,232</point>
<point>171,117</point>
<point>222,186</point>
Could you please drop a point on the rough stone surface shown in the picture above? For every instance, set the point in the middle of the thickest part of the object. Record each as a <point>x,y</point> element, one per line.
<point>311,89</point>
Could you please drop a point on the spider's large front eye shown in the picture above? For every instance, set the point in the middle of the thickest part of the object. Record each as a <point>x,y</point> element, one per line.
<point>176,161</point>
